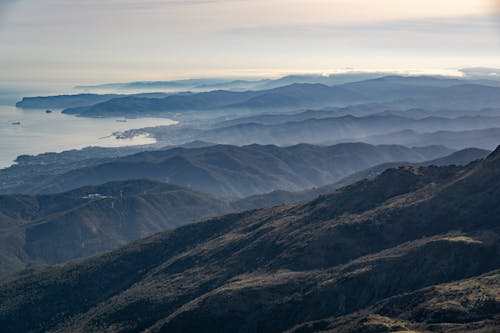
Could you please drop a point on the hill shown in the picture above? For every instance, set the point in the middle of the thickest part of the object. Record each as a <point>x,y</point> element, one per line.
<point>51,229</point>
<point>461,157</point>
<point>231,171</point>
<point>323,127</point>
<point>469,305</point>
<point>486,138</point>
<point>346,128</point>
<point>30,169</point>
<point>404,247</point>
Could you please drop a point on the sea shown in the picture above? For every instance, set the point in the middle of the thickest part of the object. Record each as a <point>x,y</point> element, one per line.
<point>31,132</point>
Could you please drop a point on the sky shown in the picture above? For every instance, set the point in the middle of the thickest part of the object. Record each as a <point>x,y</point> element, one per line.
<point>101,41</point>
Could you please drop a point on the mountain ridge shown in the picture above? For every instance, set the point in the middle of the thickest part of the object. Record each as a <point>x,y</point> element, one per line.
<point>405,230</point>
<point>232,171</point>
<point>51,229</point>
<point>38,230</point>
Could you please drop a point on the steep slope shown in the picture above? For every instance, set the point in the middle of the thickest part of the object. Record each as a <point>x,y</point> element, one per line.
<point>50,229</point>
<point>461,157</point>
<point>471,305</point>
<point>273,269</point>
<point>232,171</point>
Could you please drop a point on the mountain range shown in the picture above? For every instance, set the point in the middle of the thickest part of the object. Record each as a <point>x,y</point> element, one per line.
<point>50,229</point>
<point>344,203</point>
<point>486,138</point>
<point>73,101</point>
<point>324,130</point>
<point>409,92</point>
<point>461,157</point>
<point>232,171</point>
<point>29,169</point>
<point>472,75</point>
<point>413,249</point>
<point>401,91</point>
<point>234,84</point>
<point>38,230</point>
<point>295,95</point>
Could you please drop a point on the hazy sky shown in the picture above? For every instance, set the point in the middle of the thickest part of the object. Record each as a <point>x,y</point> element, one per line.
<point>94,41</point>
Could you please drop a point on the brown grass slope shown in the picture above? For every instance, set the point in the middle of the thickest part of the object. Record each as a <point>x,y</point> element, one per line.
<point>471,305</point>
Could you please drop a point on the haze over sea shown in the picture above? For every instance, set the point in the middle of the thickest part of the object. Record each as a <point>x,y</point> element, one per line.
<point>39,132</point>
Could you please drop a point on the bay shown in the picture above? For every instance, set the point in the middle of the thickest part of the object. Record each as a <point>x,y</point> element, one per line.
<point>30,132</point>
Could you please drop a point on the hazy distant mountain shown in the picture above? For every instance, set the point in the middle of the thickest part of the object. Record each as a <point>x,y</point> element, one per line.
<point>329,80</point>
<point>482,138</point>
<point>232,171</point>
<point>429,92</point>
<point>273,119</point>
<point>235,84</point>
<point>50,229</point>
<point>73,101</point>
<point>63,101</point>
<point>340,128</point>
<point>402,85</point>
<point>295,95</point>
<point>315,127</point>
<point>188,84</point>
<point>134,106</point>
<point>461,157</point>
<point>292,92</point>
<point>414,248</point>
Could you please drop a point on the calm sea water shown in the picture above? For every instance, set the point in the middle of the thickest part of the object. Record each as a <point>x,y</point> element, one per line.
<point>39,132</point>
